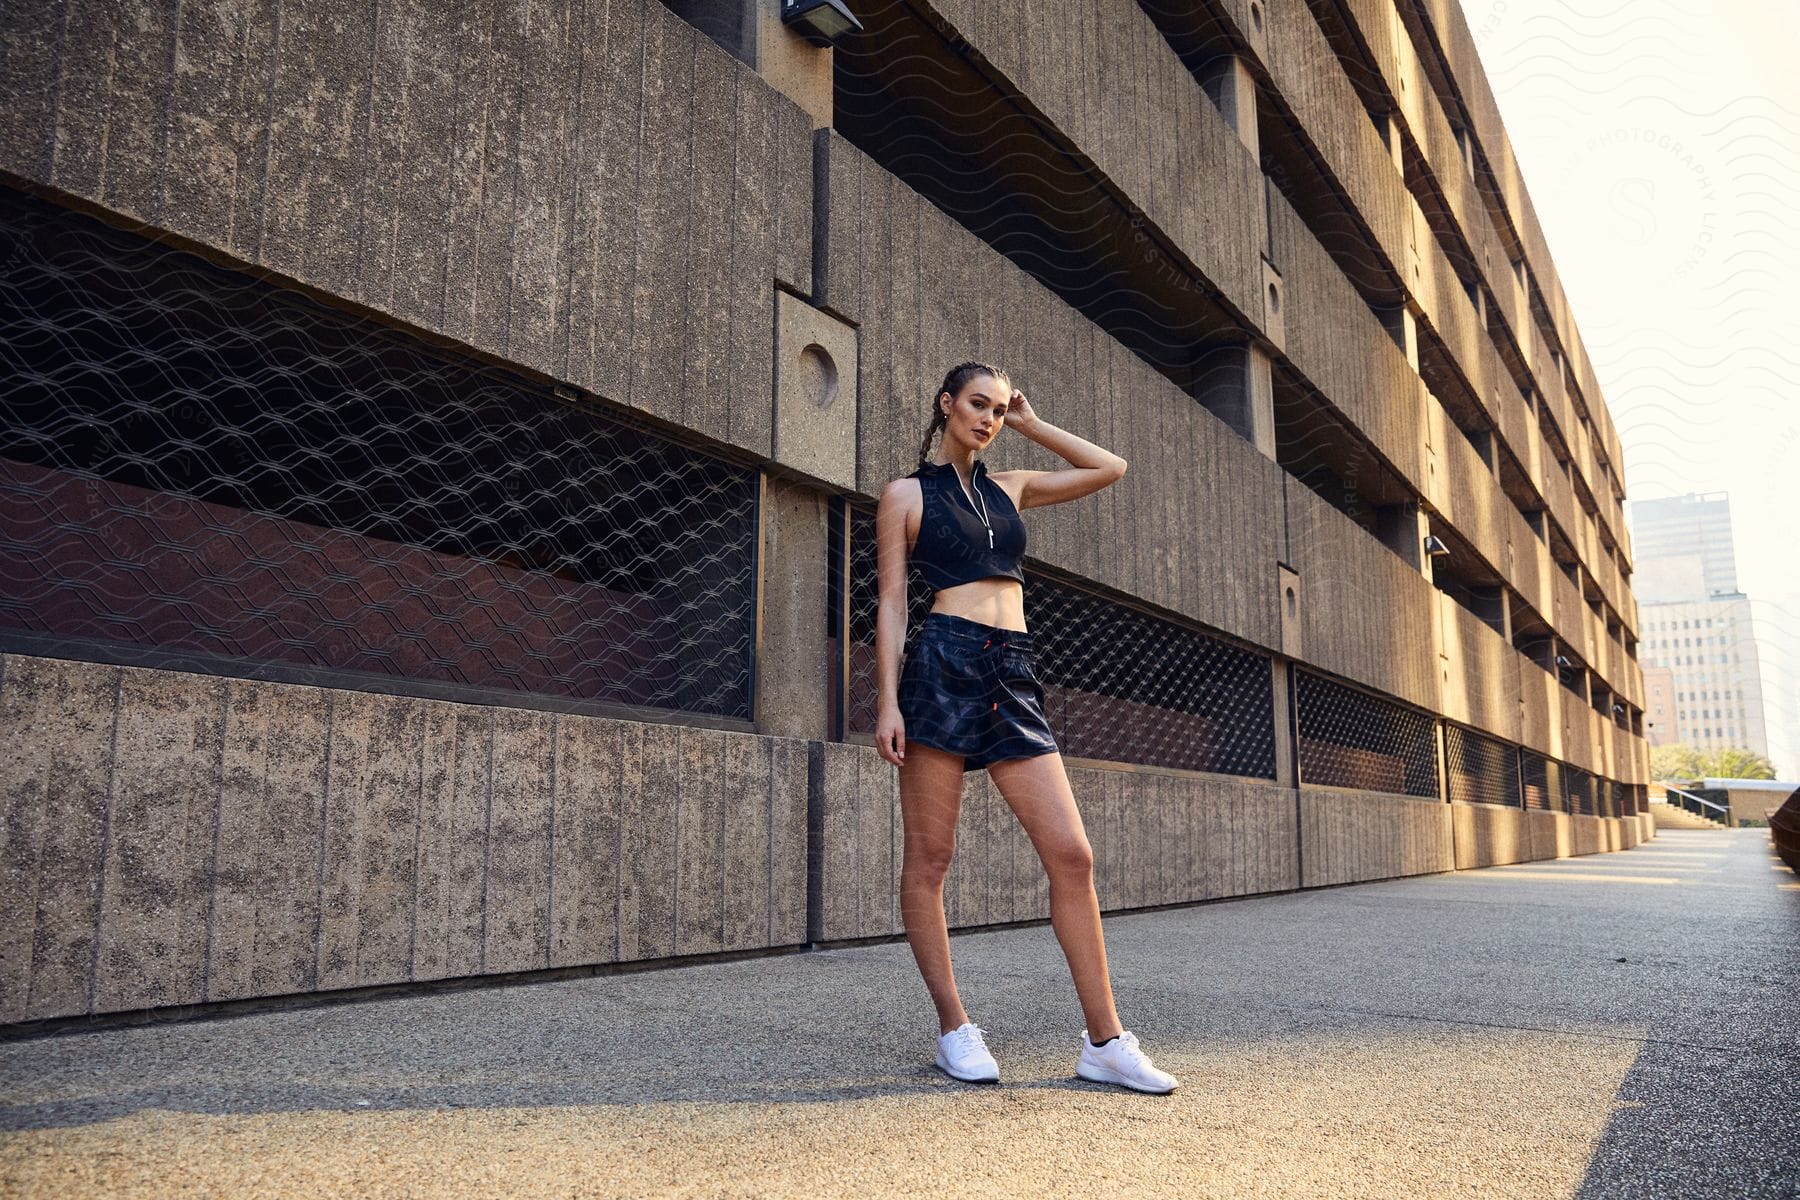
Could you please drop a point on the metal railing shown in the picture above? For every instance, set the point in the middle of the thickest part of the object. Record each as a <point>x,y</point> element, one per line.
<point>1700,806</point>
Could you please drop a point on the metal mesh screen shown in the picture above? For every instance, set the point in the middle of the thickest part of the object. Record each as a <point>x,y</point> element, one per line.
<point>202,470</point>
<point>1480,769</point>
<point>1120,685</point>
<point>1534,786</point>
<point>1580,790</point>
<point>1351,739</point>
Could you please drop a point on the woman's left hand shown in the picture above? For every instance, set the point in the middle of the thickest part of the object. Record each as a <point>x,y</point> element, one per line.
<point>1018,411</point>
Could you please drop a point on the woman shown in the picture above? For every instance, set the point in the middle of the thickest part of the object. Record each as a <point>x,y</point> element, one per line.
<point>968,697</point>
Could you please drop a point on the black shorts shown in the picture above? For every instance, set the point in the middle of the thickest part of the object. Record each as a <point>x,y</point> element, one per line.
<point>972,689</point>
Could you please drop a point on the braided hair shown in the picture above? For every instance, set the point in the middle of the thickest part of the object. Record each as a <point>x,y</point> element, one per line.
<point>954,383</point>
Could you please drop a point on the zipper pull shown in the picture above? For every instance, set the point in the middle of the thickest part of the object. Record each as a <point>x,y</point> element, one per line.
<point>990,539</point>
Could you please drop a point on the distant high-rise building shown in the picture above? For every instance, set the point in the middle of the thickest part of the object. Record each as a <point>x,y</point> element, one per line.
<point>1708,648</point>
<point>1699,639</point>
<point>1683,547</point>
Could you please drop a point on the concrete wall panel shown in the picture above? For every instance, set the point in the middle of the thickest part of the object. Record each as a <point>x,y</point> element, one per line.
<point>1349,837</point>
<point>1540,710</point>
<point>1334,339</point>
<point>1480,672</point>
<point>1487,835</point>
<point>157,870</point>
<point>266,839</point>
<point>1551,834</point>
<point>1309,76</point>
<point>55,781</point>
<point>584,835</point>
<point>1158,838</point>
<point>1125,101</point>
<point>1365,614</point>
<point>536,183</point>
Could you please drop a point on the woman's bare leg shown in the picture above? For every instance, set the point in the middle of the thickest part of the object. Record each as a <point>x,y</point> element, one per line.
<point>931,784</point>
<point>1037,790</point>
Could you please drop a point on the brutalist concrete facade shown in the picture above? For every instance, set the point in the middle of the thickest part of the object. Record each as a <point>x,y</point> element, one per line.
<point>1224,225</point>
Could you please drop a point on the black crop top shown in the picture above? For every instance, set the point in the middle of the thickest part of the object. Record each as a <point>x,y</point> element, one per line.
<point>953,545</point>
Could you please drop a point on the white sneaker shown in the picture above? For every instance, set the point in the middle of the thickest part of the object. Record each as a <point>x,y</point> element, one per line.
<point>1121,1061</point>
<point>963,1054</point>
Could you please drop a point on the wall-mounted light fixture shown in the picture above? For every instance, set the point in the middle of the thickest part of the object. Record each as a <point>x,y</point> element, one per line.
<point>1619,708</point>
<point>1434,546</point>
<point>1563,662</point>
<point>820,22</point>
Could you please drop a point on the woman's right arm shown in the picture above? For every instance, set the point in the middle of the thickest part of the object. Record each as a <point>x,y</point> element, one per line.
<point>890,616</point>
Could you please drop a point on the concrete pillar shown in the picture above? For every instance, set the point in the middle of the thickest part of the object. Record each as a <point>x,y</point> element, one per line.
<point>1441,737</point>
<point>1403,326</point>
<point>1389,125</point>
<point>1486,446</point>
<point>752,31</point>
<point>1286,767</point>
<point>1490,604</point>
<point>793,659</point>
<point>1402,528</point>
<point>1229,82</point>
<point>1236,384</point>
<point>1466,144</point>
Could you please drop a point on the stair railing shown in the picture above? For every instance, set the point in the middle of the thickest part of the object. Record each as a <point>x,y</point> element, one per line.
<point>1698,805</point>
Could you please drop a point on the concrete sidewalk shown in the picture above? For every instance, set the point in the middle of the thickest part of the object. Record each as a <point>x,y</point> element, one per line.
<point>1620,1025</point>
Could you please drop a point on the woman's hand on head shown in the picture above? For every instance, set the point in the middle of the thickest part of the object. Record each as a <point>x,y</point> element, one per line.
<point>890,735</point>
<point>1019,413</point>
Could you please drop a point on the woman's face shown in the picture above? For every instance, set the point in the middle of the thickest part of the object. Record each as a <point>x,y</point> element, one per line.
<point>977,414</point>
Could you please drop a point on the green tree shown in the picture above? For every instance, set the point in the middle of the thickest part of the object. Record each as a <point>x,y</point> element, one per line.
<point>1735,762</point>
<point>1677,760</point>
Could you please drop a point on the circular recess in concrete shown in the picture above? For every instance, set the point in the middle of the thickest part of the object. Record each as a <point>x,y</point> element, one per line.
<point>820,373</point>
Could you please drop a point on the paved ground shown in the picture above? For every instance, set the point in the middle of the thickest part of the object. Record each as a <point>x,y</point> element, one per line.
<point>1622,1025</point>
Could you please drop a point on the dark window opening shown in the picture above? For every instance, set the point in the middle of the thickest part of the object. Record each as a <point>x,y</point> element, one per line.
<point>1481,769</point>
<point>1351,739</point>
<point>1121,684</point>
<point>203,471</point>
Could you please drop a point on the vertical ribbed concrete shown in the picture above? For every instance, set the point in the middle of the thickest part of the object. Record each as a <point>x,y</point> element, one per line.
<point>179,839</point>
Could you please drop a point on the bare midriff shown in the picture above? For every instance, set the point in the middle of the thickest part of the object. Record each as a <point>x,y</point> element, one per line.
<point>998,601</point>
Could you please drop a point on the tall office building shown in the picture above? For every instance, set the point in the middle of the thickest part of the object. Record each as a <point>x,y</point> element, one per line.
<point>1697,626</point>
<point>1709,649</point>
<point>444,444</point>
<point>1684,547</point>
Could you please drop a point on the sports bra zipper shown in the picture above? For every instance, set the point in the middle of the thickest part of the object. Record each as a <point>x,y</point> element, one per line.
<point>975,499</point>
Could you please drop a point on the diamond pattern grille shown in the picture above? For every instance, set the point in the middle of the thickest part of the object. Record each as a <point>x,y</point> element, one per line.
<point>197,462</point>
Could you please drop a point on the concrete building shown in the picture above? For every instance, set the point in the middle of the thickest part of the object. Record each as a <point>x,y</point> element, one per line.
<point>443,448</point>
<point>1709,649</point>
<point>1698,626</point>
<point>1684,547</point>
<point>1659,706</point>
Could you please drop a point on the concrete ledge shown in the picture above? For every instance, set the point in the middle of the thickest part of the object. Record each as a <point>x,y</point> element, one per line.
<point>1158,838</point>
<point>176,839</point>
<point>1565,835</point>
<point>602,195</point>
<point>1348,837</point>
<point>1488,835</point>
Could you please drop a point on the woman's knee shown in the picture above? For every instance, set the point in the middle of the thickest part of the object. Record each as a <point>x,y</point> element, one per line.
<point>1068,858</point>
<point>927,860</point>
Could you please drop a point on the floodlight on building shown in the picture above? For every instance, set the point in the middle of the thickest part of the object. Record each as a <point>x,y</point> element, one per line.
<point>1563,662</point>
<point>1619,708</point>
<point>820,22</point>
<point>1434,546</point>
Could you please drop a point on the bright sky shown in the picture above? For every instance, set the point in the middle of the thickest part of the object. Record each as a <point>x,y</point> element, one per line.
<point>1660,141</point>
